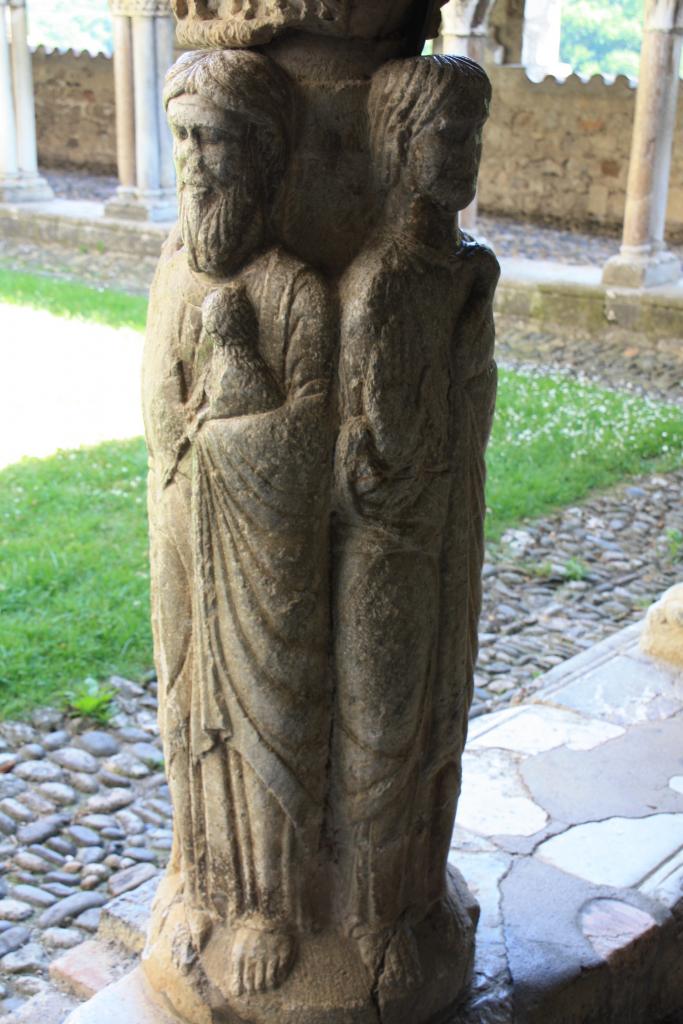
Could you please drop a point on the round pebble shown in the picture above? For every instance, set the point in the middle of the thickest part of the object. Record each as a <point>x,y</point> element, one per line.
<point>99,744</point>
<point>75,760</point>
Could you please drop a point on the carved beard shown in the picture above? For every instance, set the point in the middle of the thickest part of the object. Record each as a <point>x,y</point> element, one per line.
<point>220,227</point>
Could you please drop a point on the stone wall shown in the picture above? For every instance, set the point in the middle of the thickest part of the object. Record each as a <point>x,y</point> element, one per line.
<point>75,112</point>
<point>561,150</point>
<point>552,150</point>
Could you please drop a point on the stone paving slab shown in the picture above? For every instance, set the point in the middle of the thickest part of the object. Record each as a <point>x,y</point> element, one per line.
<point>570,834</point>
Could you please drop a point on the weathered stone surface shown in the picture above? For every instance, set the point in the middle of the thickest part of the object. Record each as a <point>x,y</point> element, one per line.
<point>14,910</point>
<point>531,730</point>
<point>35,896</point>
<point>98,743</point>
<point>13,939</point>
<point>588,850</point>
<point>62,938</point>
<point>131,878</point>
<point>130,999</point>
<point>86,969</point>
<point>662,635</point>
<point>610,925</point>
<point>28,958</point>
<point>75,760</point>
<point>38,771</point>
<point>39,831</point>
<point>362,493</point>
<point>126,918</point>
<point>614,691</point>
<point>70,907</point>
<point>108,802</point>
<point>494,800</point>
<point>48,1007</point>
<point>265,19</point>
<point>633,770</point>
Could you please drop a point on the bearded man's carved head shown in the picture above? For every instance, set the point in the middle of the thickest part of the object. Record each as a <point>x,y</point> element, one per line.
<point>230,113</point>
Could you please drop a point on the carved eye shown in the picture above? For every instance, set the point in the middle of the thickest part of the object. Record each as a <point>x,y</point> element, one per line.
<point>180,133</point>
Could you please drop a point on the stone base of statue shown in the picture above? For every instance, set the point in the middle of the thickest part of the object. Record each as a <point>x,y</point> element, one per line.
<point>329,983</point>
<point>24,188</point>
<point>159,205</point>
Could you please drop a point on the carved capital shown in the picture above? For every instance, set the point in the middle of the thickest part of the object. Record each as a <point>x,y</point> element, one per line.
<point>664,16</point>
<point>253,22</point>
<point>144,8</point>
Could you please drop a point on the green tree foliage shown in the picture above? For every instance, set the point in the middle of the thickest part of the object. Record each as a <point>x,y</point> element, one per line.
<point>602,36</point>
<point>71,24</point>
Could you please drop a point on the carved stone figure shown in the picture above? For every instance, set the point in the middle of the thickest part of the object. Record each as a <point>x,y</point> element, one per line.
<point>417,387</point>
<point>236,385</point>
<point>316,518</point>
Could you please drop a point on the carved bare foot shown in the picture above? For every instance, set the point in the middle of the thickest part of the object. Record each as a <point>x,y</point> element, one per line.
<point>261,959</point>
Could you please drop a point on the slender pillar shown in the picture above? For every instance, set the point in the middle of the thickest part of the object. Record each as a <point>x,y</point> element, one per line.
<point>9,166</point>
<point>644,259</point>
<point>164,40</point>
<point>144,41</point>
<point>125,101</point>
<point>19,178</point>
<point>22,77</point>
<point>541,38</point>
<point>146,105</point>
<point>465,33</point>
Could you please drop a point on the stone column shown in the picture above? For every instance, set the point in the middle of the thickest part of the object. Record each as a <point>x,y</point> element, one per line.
<point>507,27</point>
<point>644,259</point>
<point>316,515</point>
<point>143,52</point>
<point>125,103</point>
<point>19,178</point>
<point>541,39</point>
<point>465,32</point>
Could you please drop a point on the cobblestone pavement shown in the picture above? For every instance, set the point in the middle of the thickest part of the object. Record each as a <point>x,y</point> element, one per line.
<point>84,816</point>
<point>85,812</point>
<point>87,265</point>
<point>562,583</point>
<point>81,185</point>
<point>614,358</point>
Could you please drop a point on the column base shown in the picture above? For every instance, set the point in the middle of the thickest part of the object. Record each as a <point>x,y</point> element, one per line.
<point>133,204</point>
<point>642,268</point>
<point>328,984</point>
<point>24,188</point>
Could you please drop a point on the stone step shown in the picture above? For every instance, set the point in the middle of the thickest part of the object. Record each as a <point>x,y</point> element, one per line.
<point>45,1008</point>
<point>128,1001</point>
<point>89,967</point>
<point>124,919</point>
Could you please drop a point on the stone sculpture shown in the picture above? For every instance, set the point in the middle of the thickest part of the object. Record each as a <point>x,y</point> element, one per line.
<point>316,507</point>
<point>417,386</point>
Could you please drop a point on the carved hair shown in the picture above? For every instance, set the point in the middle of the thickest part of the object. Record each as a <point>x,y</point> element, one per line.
<point>407,95</point>
<point>248,84</point>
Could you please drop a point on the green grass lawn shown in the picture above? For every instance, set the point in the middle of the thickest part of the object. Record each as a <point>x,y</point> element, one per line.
<point>73,554</point>
<point>70,299</point>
